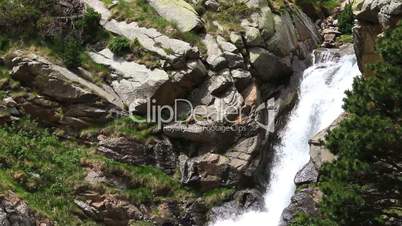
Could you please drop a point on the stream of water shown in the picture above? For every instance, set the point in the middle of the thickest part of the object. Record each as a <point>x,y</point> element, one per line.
<point>321,96</point>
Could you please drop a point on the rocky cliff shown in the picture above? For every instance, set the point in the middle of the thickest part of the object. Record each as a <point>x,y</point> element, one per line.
<point>242,63</point>
<point>373,18</point>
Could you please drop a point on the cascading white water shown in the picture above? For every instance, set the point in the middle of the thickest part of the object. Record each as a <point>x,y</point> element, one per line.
<point>320,103</point>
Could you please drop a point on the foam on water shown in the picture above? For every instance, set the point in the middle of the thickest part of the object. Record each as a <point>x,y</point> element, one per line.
<point>320,103</point>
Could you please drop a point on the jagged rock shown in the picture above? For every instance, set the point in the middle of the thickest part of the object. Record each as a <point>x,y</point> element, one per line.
<point>62,97</point>
<point>304,201</point>
<point>55,81</point>
<point>219,83</point>
<point>200,133</point>
<point>284,39</point>
<point>266,23</point>
<point>211,5</point>
<point>193,213</point>
<point>108,209</point>
<point>208,171</point>
<point>249,199</point>
<point>14,211</point>
<point>318,153</point>
<point>124,149</point>
<point>267,65</point>
<point>373,17</point>
<point>221,54</point>
<point>242,78</point>
<point>293,32</point>
<point>308,174</point>
<point>178,12</point>
<point>253,37</point>
<point>137,84</point>
<point>227,105</point>
<point>164,157</point>
<point>241,154</point>
<point>384,12</point>
<point>236,39</point>
<point>149,38</point>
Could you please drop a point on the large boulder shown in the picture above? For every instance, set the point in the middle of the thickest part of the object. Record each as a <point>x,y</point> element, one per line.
<point>268,66</point>
<point>61,97</point>
<point>136,84</point>
<point>222,54</point>
<point>124,149</point>
<point>207,171</point>
<point>178,12</point>
<point>373,17</point>
<point>174,50</point>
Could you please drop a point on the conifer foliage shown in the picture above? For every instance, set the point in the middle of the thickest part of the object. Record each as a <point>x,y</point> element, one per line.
<point>363,186</point>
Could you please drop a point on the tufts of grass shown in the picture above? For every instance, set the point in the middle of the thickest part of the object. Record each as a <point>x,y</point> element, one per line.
<point>46,172</point>
<point>124,126</point>
<point>100,72</point>
<point>229,16</point>
<point>217,196</point>
<point>140,12</point>
<point>41,169</point>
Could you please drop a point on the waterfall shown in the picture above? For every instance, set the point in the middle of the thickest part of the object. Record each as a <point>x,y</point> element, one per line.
<point>321,96</point>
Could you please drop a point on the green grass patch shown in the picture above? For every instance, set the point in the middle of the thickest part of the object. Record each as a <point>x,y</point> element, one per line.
<point>140,12</point>
<point>124,126</point>
<point>229,16</point>
<point>345,38</point>
<point>46,172</point>
<point>217,196</point>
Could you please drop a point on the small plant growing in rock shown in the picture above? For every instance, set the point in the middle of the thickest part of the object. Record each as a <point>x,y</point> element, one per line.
<point>120,46</point>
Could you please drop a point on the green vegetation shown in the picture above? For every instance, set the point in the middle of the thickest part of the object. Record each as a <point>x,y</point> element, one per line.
<point>345,38</point>
<point>229,15</point>
<point>140,12</point>
<point>47,172</point>
<point>362,187</point>
<point>346,19</point>
<point>35,24</point>
<point>40,169</point>
<point>124,126</point>
<point>119,46</point>
<point>217,196</point>
<point>122,46</point>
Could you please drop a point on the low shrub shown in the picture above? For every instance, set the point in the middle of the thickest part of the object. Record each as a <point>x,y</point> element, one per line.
<point>346,19</point>
<point>120,45</point>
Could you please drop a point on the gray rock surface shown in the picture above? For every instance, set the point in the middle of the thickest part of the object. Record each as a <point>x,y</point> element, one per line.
<point>14,211</point>
<point>136,84</point>
<point>149,38</point>
<point>178,12</point>
<point>308,174</point>
<point>243,200</point>
<point>62,97</point>
<point>267,65</point>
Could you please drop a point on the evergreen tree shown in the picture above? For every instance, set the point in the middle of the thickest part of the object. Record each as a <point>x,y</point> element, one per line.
<point>363,186</point>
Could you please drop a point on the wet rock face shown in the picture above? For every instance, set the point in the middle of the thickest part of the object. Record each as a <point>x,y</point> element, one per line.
<point>307,195</point>
<point>249,199</point>
<point>305,201</point>
<point>309,174</point>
